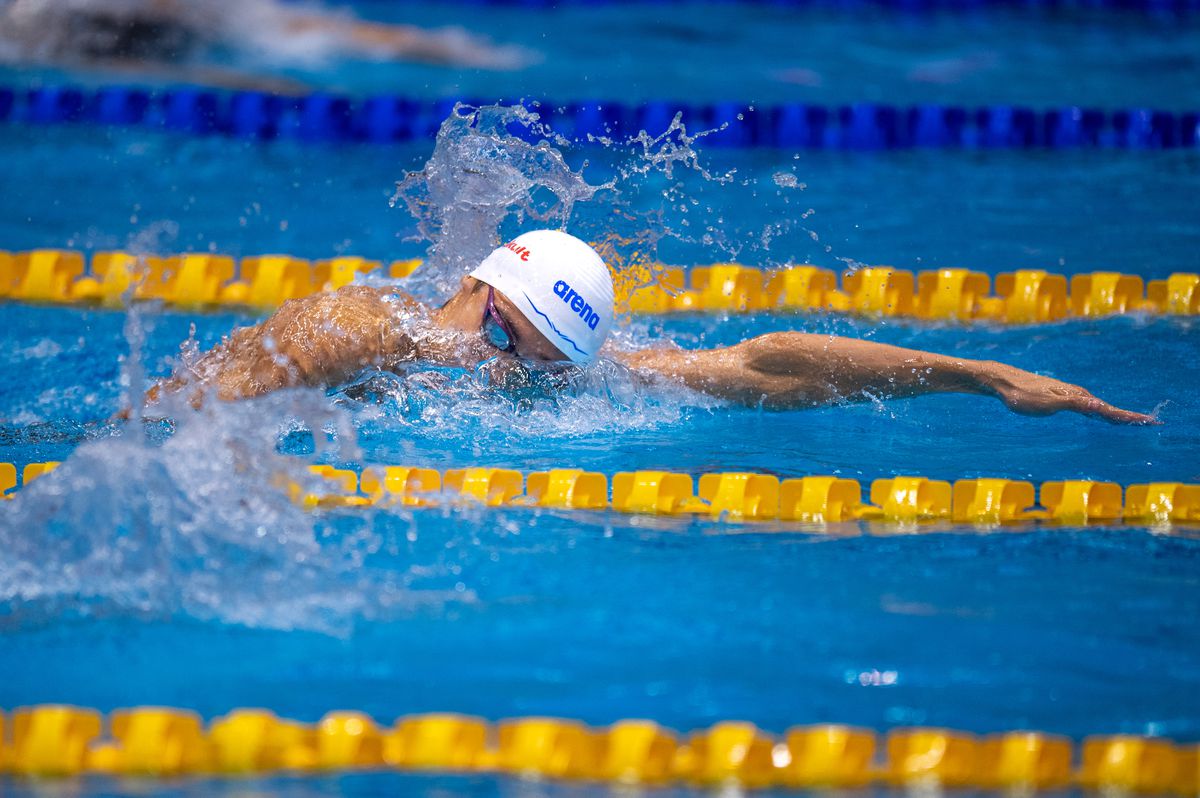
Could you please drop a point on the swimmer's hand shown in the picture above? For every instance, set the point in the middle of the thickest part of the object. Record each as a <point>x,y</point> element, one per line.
<point>1034,395</point>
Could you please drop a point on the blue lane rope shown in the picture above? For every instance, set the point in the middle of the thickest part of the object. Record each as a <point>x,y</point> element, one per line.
<point>863,126</point>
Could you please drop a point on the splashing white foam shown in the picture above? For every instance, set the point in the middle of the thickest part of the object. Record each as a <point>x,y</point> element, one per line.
<point>478,177</point>
<point>199,525</point>
<point>512,402</point>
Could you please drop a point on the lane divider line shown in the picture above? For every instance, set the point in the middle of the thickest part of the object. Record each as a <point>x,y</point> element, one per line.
<point>747,497</point>
<point>59,740</point>
<point>324,117</point>
<point>740,497</point>
<point>204,281</point>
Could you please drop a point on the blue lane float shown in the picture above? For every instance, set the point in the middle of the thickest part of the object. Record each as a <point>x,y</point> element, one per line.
<point>323,117</point>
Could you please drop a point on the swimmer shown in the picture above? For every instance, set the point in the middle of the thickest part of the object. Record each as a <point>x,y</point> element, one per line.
<point>548,297</point>
<point>176,38</point>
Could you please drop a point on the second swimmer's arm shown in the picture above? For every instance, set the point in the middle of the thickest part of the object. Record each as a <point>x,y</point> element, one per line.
<point>791,370</point>
<point>406,42</point>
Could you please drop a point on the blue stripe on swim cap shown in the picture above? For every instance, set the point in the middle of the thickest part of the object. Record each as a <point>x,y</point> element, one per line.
<point>552,327</point>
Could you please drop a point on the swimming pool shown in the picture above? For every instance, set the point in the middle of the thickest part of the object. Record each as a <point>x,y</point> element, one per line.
<point>763,52</point>
<point>990,211</point>
<point>155,567</point>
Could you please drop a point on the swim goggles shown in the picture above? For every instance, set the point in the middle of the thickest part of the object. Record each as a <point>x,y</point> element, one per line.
<point>495,328</point>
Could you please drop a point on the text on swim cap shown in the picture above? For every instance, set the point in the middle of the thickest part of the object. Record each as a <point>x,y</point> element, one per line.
<point>577,303</point>
<point>520,250</point>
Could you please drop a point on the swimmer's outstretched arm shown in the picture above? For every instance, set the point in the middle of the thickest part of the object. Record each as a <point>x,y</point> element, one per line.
<point>793,370</point>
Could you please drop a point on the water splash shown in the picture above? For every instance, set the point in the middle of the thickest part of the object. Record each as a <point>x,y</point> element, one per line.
<point>672,148</point>
<point>194,517</point>
<point>479,177</point>
<point>506,402</point>
<point>498,170</point>
<point>188,526</point>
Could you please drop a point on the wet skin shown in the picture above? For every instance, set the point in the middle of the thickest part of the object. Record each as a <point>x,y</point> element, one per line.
<point>328,339</point>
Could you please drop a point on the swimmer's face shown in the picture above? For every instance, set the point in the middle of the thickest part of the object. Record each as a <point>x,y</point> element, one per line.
<point>468,311</point>
<point>529,341</point>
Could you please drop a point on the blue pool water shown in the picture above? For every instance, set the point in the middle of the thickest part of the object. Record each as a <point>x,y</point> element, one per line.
<point>760,52</point>
<point>158,566</point>
<point>763,53</point>
<point>991,211</point>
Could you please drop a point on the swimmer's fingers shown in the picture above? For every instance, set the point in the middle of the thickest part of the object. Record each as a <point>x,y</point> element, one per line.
<point>1095,407</point>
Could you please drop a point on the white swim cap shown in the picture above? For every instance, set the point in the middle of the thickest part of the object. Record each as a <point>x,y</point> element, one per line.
<point>560,284</point>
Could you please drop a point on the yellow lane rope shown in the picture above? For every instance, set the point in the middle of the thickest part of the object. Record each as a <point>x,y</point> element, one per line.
<point>55,740</point>
<point>743,497</point>
<point>1020,297</point>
